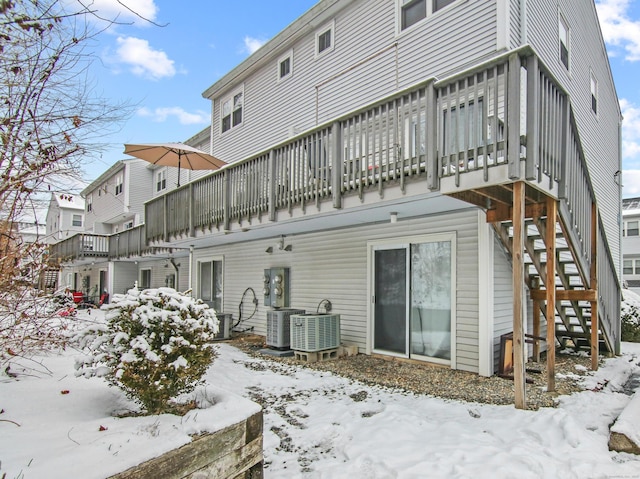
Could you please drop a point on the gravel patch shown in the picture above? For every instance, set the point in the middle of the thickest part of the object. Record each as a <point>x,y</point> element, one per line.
<point>437,381</point>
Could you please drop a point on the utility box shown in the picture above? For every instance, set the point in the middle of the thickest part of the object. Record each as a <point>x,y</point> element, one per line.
<point>276,287</point>
<point>279,327</point>
<point>224,326</point>
<point>315,332</point>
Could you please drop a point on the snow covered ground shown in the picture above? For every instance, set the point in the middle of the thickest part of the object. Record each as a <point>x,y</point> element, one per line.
<point>317,425</point>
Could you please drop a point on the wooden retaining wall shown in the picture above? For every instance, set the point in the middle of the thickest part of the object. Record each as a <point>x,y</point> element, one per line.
<point>234,452</point>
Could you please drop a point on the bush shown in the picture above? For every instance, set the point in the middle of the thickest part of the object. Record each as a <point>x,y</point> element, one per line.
<point>155,345</point>
<point>630,316</point>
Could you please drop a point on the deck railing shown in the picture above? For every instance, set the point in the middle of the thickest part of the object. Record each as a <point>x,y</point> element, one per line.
<point>129,243</point>
<point>80,246</point>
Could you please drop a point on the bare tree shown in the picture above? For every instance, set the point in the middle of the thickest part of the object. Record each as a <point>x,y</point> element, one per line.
<point>51,119</point>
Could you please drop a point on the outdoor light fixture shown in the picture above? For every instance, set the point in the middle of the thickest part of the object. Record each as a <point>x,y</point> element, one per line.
<point>393,217</point>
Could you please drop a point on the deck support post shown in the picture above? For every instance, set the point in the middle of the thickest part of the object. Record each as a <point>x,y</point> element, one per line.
<point>518,284</point>
<point>595,325</point>
<point>536,330</point>
<point>550,240</point>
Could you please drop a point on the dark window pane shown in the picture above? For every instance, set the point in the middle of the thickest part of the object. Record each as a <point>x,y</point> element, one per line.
<point>285,67</point>
<point>324,41</point>
<point>237,117</point>
<point>226,123</point>
<point>438,4</point>
<point>413,12</point>
<point>564,55</point>
<point>594,104</point>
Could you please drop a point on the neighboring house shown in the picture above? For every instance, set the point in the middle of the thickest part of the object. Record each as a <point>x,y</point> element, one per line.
<point>631,243</point>
<point>65,216</point>
<point>412,162</point>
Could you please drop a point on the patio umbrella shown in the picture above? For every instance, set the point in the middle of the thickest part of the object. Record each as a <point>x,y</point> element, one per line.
<point>174,154</point>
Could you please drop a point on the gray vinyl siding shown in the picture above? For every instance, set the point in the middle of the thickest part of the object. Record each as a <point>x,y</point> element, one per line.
<point>333,265</point>
<point>125,274</point>
<point>598,133</point>
<point>502,299</point>
<point>139,187</point>
<point>362,68</point>
<point>515,24</point>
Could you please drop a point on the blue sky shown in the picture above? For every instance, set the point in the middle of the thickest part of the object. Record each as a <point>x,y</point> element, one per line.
<point>164,70</point>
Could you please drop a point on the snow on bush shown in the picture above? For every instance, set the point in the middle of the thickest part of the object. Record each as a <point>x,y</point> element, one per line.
<point>155,345</point>
<point>630,316</point>
<point>32,322</point>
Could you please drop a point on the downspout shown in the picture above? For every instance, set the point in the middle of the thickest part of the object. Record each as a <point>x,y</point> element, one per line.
<point>176,268</point>
<point>190,268</point>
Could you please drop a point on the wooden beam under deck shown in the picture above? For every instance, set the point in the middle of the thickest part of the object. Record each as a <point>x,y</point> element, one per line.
<point>505,213</point>
<point>566,295</point>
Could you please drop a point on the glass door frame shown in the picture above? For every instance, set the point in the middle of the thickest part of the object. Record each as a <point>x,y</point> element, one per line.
<point>387,247</point>
<point>406,242</point>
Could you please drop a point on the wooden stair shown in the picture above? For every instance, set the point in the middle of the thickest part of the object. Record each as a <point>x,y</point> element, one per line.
<point>572,321</point>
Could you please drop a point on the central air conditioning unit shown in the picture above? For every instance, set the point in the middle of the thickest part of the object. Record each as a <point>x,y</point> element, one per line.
<point>279,327</point>
<point>224,326</point>
<point>315,332</point>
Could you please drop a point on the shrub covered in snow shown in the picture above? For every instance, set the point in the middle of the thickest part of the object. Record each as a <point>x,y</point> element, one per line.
<point>155,345</point>
<point>32,322</point>
<point>630,315</point>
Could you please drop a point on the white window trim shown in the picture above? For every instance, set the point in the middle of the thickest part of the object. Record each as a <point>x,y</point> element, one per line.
<point>288,55</point>
<point>160,175</point>
<point>320,31</point>
<point>562,20</point>
<point>229,97</point>
<point>89,202</point>
<point>594,81</point>
<point>119,183</point>
<point>430,14</point>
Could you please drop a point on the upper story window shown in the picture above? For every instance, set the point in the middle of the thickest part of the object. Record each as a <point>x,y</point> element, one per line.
<point>563,33</point>
<point>161,180</point>
<point>119,184</point>
<point>325,39</point>
<point>76,220</point>
<point>90,202</point>
<point>285,66</point>
<point>128,225</point>
<point>413,11</point>
<point>631,228</point>
<point>594,94</point>
<point>231,110</point>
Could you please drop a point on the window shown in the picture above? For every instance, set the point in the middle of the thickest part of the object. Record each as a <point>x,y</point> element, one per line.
<point>161,180</point>
<point>210,274</point>
<point>90,202</point>
<point>563,32</point>
<point>231,110</point>
<point>413,11</point>
<point>627,267</point>
<point>77,220</point>
<point>631,228</point>
<point>119,184</point>
<point>325,39</point>
<point>128,225</point>
<point>440,4</point>
<point>285,66</point>
<point>145,279</point>
<point>594,94</point>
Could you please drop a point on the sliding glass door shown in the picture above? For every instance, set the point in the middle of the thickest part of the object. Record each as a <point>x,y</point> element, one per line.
<point>413,299</point>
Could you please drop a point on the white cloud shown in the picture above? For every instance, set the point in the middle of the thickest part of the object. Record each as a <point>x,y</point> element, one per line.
<point>134,9</point>
<point>630,131</point>
<point>143,60</point>
<point>252,44</point>
<point>630,183</point>
<point>618,28</point>
<point>162,114</point>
